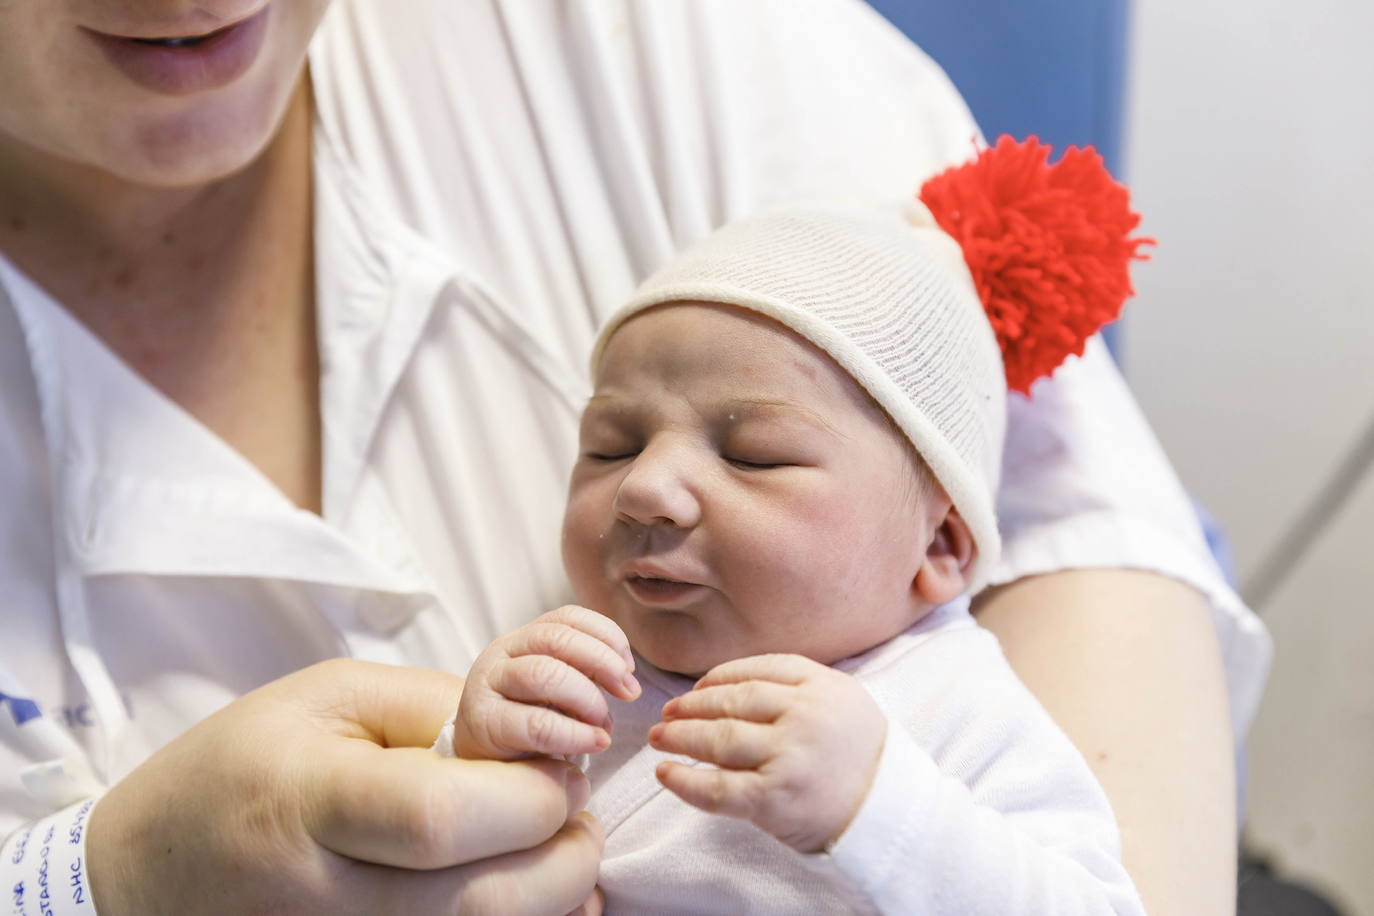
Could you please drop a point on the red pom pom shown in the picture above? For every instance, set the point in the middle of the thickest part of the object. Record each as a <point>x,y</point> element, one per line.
<point>1048,247</point>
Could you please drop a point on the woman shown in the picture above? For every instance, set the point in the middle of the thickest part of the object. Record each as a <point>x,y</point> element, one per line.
<point>289,371</point>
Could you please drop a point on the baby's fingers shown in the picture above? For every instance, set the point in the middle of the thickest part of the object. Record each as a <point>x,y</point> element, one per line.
<point>754,701</point>
<point>584,651</point>
<point>733,793</point>
<point>594,624</point>
<point>730,743</point>
<point>541,680</point>
<point>522,729</point>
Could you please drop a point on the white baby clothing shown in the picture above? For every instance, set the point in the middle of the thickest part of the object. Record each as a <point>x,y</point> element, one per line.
<point>980,805</point>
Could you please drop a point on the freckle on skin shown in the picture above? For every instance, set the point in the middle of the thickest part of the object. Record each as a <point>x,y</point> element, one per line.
<point>18,224</point>
<point>1101,755</point>
<point>148,356</point>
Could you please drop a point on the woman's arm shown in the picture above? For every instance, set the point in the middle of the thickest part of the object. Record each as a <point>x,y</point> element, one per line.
<point>1143,655</point>
<point>1127,663</point>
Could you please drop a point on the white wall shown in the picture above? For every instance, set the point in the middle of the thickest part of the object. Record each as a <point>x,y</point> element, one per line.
<point>1251,347</point>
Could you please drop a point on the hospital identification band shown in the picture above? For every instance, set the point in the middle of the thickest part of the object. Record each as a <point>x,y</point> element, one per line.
<point>43,866</point>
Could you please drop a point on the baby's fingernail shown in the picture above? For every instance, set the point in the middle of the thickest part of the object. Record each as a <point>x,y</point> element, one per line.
<point>603,739</point>
<point>669,708</point>
<point>655,732</point>
<point>578,788</point>
<point>631,685</point>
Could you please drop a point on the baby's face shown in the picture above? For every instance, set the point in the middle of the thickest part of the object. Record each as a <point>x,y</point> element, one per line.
<point>737,494</point>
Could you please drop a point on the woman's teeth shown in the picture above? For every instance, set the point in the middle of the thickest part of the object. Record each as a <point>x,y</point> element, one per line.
<point>171,42</point>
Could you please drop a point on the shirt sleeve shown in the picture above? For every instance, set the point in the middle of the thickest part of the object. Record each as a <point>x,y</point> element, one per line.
<point>1085,484</point>
<point>914,813</point>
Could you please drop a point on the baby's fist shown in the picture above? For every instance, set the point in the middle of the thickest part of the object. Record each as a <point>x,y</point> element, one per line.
<point>534,692</point>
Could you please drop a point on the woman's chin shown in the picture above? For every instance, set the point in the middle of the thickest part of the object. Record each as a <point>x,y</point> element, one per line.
<point>155,142</point>
<point>195,148</point>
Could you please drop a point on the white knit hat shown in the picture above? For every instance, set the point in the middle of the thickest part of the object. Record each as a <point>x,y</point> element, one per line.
<point>888,296</point>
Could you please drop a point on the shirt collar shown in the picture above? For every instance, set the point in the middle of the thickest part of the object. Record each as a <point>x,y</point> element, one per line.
<point>377,282</point>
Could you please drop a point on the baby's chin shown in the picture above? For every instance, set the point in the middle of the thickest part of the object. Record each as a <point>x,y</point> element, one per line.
<point>683,650</point>
<point>695,662</point>
<point>684,664</point>
<point>691,644</point>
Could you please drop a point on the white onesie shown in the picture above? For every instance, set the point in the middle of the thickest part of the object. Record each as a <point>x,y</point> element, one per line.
<point>980,804</point>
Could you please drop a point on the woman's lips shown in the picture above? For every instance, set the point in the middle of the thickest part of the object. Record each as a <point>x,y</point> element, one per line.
<point>664,593</point>
<point>199,64</point>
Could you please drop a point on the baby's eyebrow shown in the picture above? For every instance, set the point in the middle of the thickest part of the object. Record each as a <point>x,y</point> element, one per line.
<point>753,407</point>
<point>602,403</point>
<point>603,407</point>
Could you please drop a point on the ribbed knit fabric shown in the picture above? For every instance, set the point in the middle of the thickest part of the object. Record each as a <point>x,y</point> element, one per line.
<point>887,295</point>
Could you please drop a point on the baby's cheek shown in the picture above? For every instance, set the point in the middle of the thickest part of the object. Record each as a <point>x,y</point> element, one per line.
<point>584,545</point>
<point>856,567</point>
<point>807,555</point>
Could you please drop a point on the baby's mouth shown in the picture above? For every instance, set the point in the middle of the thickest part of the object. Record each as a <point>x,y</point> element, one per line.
<point>658,591</point>
<point>657,582</point>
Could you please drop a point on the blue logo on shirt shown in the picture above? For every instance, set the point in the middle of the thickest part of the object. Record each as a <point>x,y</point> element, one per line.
<point>22,709</point>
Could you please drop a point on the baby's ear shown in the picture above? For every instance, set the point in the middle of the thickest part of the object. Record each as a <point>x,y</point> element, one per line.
<point>944,574</point>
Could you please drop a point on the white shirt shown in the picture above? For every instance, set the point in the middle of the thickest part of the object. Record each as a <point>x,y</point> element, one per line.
<point>492,179</point>
<point>979,805</point>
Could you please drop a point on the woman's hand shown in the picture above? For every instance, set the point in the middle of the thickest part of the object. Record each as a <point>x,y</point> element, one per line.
<point>535,691</point>
<point>317,794</point>
<point>795,743</point>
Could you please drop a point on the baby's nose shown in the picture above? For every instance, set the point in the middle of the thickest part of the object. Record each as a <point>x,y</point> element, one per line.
<point>658,489</point>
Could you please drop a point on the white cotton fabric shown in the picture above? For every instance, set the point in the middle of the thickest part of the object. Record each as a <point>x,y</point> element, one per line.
<point>980,805</point>
<point>887,295</point>
<point>492,179</point>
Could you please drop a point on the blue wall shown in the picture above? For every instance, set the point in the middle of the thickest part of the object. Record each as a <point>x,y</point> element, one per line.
<point>1054,68</point>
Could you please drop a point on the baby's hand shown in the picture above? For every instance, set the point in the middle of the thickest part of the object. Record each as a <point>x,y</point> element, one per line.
<point>534,692</point>
<point>797,745</point>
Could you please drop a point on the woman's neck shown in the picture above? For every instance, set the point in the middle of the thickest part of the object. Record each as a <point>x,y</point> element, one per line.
<point>51,204</point>
<point>205,291</point>
<point>100,244</point>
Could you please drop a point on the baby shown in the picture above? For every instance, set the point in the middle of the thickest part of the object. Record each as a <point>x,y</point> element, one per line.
<point>783,497</point>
